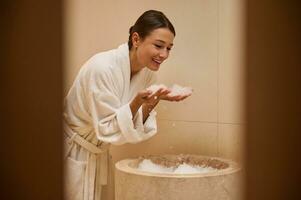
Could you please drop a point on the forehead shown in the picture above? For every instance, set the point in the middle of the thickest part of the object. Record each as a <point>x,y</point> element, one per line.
<point>161,35</point>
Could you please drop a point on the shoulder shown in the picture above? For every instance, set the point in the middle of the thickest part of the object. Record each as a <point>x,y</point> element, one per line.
<point>101,62</point>
<point>107,61</point>
<point>102,67</point>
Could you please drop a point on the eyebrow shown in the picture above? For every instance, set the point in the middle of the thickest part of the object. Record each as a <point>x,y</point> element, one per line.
<point>164,42</point>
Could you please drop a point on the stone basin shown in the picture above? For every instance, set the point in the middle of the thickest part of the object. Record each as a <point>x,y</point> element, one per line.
<point>221,184</point>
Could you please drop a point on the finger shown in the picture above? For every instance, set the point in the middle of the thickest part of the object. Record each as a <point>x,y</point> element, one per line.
<point>187,95</point>
<point>156,94</point>
<point>144,94</point>
<point>174,98</point>
<point>184,96</point>
<point>148,92</point>
<point>165,92</point>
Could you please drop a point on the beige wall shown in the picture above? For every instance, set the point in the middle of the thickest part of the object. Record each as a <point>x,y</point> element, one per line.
<point>208,56</point>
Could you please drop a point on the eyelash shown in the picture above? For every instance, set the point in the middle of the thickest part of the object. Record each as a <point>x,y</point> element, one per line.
<point>159,46</point>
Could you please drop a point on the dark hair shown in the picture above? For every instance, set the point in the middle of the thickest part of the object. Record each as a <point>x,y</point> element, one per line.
<point>149,21</point>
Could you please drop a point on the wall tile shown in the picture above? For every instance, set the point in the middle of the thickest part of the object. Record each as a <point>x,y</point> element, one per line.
<point>231,66</point>
<point>231,141</point>
<point>174,137</point>
<point>193,62</point>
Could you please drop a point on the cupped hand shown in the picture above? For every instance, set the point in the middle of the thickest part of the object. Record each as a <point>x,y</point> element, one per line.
<point>150,97</point>
<point>174,97</point>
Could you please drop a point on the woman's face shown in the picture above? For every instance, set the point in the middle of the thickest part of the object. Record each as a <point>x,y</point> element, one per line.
<point>154,48</point>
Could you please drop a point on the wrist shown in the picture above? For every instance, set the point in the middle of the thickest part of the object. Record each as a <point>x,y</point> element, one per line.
<point>147,107</point>
<point>135,105</point>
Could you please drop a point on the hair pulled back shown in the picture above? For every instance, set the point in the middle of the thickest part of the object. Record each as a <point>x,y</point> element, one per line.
<point>147,22</point>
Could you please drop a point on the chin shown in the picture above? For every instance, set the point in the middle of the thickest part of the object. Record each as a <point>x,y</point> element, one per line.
<point>154,68</point>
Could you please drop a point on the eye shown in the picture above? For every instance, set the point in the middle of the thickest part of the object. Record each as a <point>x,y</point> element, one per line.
<point>168,48</point>
<point>158,46</point>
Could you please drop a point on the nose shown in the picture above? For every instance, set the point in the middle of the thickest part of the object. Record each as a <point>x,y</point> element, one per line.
<point>164,53</point>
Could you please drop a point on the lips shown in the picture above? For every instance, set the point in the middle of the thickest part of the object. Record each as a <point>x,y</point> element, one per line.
<point>158,61</point>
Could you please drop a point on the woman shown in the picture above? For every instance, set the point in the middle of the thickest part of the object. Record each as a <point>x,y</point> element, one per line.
<point>108,103</point>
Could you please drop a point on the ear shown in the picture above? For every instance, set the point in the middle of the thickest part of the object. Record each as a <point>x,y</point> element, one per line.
<point>135,39</point>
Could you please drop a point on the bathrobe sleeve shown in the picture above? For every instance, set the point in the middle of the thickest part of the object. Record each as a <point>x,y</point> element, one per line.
<point>112,121</point>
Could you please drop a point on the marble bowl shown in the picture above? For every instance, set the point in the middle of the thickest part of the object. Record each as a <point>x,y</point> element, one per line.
<point>222,184</point>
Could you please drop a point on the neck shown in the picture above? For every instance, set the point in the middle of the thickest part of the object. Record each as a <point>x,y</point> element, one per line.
<point>135,67</point>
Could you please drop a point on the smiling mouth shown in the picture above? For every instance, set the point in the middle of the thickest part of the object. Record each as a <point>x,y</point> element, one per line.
<point>157,61</point>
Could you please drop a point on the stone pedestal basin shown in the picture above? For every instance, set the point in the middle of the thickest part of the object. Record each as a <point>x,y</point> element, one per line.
<point>221,184</point>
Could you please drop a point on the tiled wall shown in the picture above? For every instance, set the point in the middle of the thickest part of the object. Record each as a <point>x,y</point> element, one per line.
<point>207,56</point>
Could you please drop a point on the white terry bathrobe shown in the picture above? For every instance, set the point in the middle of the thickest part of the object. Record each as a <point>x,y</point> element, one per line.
<point>96,114</point>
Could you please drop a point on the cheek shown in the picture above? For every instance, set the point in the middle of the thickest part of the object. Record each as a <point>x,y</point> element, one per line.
<point>145,56</point>
<point>142,57</point>
<point>153,53</point>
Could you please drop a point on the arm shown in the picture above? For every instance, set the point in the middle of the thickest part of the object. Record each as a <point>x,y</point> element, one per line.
<point>146,109</point>
<point>162,94</point>
<point>148,101</point>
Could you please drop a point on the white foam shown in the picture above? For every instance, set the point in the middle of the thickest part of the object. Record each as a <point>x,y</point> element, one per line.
<point>154,88</point>
<point>186,169</point>
<point>177,90</point>
<point>148,166</point>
